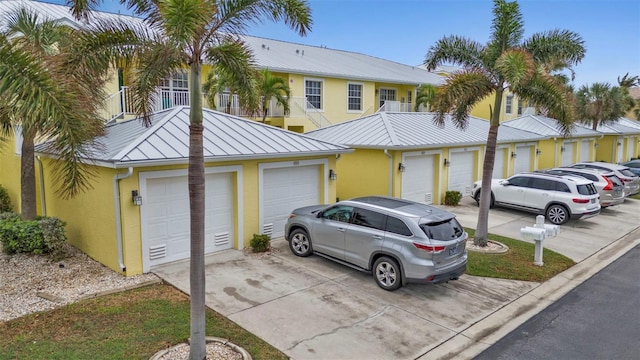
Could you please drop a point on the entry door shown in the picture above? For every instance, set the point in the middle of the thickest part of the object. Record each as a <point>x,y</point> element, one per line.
<point>417,179</point>
<point>523,158</point>
<point>619,152</point>
<point>567,154</point>
<point>585,150</point>
<point>499,166</point>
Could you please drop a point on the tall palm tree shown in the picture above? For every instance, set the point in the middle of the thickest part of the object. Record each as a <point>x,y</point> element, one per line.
<point>601,103</point>
<point>221,81</point>
<point>48,91</point>
<point>425,94</point>
<point>510,62</point>
<point>271,86</point>
<point>183,34</point>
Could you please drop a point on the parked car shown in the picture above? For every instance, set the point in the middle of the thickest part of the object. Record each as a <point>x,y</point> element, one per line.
<point>631,181</point>
<point>633,165</point>
<point>397,240</point>
<point>558,197</point>
<point>610,187</point>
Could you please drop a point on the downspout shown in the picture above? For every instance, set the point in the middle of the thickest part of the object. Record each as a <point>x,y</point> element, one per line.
<point>386,152</point>
<point>555,152</point>
<point>43,203</point>
<point>116,197</point>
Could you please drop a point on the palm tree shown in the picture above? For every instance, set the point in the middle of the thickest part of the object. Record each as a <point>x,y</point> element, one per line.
<point>507,61</point>
<point>49,92</point>
<point>601,103</point>
<point>220,81</point>
<point>269,87</point>
<point>183,34</point>
<point>425,94</point>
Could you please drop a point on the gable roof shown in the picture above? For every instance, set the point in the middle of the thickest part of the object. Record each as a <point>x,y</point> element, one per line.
<point>385,130</point>
<point>617,127</point>
<point>546,126</point>
<point>287,57</point>
<point>226,138</point>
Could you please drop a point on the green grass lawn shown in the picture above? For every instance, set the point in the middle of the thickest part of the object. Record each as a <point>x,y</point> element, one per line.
<point>517,264</point>
<point>132,324</point>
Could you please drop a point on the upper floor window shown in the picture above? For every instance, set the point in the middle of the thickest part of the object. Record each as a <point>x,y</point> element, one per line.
<point>509,104</point>
<point>354,97</point>
<point>175,90</point>
<point>387,95</point>
<point>313,93</point>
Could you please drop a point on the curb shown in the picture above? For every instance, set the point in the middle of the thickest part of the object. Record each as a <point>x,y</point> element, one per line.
<point>473,340</point>
<point>209,339</point>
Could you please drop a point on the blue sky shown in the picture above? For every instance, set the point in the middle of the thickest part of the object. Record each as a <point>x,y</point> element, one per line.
<point>403,30</point>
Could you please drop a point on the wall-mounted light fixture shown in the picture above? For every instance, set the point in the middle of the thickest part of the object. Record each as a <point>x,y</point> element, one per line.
<point>595,145</point>
<point>401,167</point>
<point>332,175</point>
<point>136,198</point>
<point>562,148</point>
<point>538,151</point>
<point>446,162</point>
<point>514,155</point>
<point>619,143</point>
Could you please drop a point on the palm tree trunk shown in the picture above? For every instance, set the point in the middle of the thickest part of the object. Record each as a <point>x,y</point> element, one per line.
<point>197,208</point>
<point>28,176</point>
<point>482,228</point>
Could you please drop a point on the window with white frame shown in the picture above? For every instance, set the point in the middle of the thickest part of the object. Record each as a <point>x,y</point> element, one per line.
<point>509,104</point>
<point>354,97</point>
<point>313,93</point>
<point>175,90</point>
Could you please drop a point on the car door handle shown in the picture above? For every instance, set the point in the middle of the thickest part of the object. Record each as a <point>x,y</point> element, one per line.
<point>377,237</point>
<point>341,229</point>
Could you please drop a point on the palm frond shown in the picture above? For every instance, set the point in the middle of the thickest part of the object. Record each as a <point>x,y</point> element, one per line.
<point>459,94</point>
<point>455,50</point>
<point>507,28</point>
<point>551,96</point>
<point>516,66</point>
<point>556,49</point>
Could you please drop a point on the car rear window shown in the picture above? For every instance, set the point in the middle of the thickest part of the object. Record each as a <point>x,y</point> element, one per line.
<point>443,230</point>
<point>627,172</point>
<point>614,179</point>
<point>587,189</point>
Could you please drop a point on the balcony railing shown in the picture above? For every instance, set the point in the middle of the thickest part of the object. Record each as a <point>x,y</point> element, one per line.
<point>397,106</point>
<point>120,104</point>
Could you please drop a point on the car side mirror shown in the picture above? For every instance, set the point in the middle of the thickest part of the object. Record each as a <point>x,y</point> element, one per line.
<point>505,183</point>
<point>319,214</point>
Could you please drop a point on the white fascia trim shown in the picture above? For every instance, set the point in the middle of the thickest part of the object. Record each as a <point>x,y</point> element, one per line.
<point>142,183</point>
<point>287,164</point>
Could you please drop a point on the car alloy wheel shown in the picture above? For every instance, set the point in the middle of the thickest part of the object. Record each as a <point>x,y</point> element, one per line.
<point>386,273</point>
<point>299,243</point>
<point>557,214</point>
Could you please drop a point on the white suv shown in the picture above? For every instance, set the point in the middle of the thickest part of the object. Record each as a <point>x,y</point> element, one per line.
<point>558,197</point>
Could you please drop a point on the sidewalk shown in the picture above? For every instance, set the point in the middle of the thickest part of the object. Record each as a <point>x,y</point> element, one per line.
<point>486,332</point>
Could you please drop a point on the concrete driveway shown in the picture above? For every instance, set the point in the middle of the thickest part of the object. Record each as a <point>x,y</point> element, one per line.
<point>312,308</point>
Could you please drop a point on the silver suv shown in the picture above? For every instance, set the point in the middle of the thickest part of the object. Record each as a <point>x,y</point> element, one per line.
<point>399,241</point>
<point>558,197</point>
<point>610,187</point>
<point>630,180</point>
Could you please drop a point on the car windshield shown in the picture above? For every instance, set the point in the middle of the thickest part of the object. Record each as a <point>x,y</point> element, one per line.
<point>443,230</point>
<point>587,189</point>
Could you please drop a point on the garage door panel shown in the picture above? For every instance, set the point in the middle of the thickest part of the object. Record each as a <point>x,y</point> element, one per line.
<point>417,179</point>
<point>168,223</point>
<point>285,189</point>
<point>461,171</point>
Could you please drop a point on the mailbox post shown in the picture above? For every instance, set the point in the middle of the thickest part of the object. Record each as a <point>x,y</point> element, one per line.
<point>538,233</point>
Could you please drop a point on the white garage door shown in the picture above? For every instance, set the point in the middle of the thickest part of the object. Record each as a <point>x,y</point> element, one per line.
<point>585,149</point>
<point>168,222</point>
<point>499,165</point>
<point>461,171</point>
<point>567,154</point>
<point>286,189</point>
<point>417,178</point>
<point>523,158</point>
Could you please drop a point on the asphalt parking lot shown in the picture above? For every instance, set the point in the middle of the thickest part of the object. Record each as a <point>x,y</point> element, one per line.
<point>312,308</point>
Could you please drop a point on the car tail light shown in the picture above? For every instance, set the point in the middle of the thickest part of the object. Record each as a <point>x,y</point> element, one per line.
<point>626,180</point>
<point>609,185</point>
<point>436,249</point>
<point>580,201</point>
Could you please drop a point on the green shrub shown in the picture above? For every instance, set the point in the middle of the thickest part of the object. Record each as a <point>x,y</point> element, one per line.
<point>42,236</point>
<point>452,198</point>
<point>261,243</point>
<point>5,201</point>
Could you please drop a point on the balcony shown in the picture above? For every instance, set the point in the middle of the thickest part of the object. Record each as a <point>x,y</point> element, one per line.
<point>397,106</point>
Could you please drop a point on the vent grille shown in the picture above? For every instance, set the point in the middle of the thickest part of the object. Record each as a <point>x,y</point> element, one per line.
<point>428,198</point>
<point>157,252</point>
<point>222,239</point>
<point>268,229</point>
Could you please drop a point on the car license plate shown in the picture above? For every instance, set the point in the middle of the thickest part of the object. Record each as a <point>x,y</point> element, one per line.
<point>453,250</point>
<point>593,201</point>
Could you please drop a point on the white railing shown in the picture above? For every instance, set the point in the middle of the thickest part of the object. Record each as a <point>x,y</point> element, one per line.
<point>303,108</point>
<point>118,104</point>
<point>397,106</point>
<point>230,104</point>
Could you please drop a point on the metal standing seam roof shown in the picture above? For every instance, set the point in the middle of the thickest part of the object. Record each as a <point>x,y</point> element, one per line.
<point>226,138</point>
<point>415,130</point>
<point>635,124</point>
<point>287,57</point>
<point>279,56</point>
<point>546,126</point>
